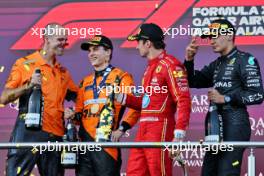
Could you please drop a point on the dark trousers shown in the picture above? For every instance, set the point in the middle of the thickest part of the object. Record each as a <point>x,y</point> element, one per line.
<point>22,161</point>
<point>96,163</point>
<point>236,128</point>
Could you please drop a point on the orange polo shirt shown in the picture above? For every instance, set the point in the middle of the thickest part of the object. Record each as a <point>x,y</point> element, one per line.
<point>56,81</point>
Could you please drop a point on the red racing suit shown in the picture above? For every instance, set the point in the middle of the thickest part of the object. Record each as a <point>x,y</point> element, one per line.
<point>166,92</point>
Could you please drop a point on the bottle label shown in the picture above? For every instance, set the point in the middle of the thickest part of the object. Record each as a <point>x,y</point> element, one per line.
<point>68,158</point>
<point>104,130</point>
<point>70,126</point>
<point>212,108</point>
<point>103,134</point>
<point>214,125</point>
<point>32,119</point>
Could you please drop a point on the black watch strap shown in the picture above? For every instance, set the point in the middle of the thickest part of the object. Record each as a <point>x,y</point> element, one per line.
<point>124,126</point>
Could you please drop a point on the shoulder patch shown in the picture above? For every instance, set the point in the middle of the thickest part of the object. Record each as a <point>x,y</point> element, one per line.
<point>178,74</point>
<point>251,60</point>
<point>29,61</point>
<point>27,67</point>
<point>158,69</point>
<point>232,61</point>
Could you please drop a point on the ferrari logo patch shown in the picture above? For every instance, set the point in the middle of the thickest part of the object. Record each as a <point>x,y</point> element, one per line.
<point>158,69</point>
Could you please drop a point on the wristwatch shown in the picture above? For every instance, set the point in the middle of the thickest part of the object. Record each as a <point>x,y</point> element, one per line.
<point>179,134</point>
<point>227,98</point>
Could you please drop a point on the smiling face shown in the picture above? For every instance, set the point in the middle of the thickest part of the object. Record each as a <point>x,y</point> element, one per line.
<point>57,45</point>
<point>98,56</point>
<point>56,42</point>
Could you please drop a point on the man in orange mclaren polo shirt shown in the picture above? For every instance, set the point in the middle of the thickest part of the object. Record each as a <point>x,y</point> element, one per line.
<point>90,102</point>
<point>56,85</point>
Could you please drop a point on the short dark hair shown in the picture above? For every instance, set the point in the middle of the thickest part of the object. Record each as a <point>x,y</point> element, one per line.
<point>157,44</point>
<point>220,23</point>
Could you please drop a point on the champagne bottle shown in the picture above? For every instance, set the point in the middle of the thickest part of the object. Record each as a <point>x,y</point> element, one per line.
<point>69,158</point>
<point>33,119</point>
<point>71,133</point>
<point>106,120</point>
<point>213,124</point>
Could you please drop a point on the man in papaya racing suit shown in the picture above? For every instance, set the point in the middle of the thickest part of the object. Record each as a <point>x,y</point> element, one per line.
<point>92,97</point>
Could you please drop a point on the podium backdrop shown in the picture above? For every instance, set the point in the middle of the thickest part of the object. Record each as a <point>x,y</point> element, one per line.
<point>21,20</point>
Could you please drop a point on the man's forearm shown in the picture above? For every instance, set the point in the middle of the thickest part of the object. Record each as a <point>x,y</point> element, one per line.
<point>133,102</point>
<point>10,95</point>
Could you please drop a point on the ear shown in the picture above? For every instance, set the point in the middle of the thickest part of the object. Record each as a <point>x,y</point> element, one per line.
<point>148,43</point>
<point>108,53</point>
<point>46,39</point>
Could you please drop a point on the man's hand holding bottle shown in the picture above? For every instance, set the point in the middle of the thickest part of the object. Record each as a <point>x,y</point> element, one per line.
<point>35,79</point>
<point>69,113</point>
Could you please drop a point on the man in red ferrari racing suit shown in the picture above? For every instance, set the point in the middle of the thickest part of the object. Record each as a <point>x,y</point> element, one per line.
<point>166,92</point>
